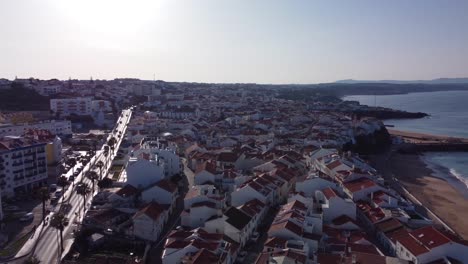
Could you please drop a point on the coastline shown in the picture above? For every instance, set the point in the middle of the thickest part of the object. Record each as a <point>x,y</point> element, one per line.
<point>435,193</point>
<point>439,192</point>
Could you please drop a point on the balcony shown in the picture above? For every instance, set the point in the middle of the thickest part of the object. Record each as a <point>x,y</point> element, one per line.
<point>16,164</point>
<point>2,176</point>
<point>41,151</point>
<point>16,156</point>
<point>42,171</point>
<point>29,154</point>
<point>29,161</point>
<point>18,178</point>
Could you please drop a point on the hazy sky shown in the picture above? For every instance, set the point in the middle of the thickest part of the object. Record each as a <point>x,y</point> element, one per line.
<point>234,41</point>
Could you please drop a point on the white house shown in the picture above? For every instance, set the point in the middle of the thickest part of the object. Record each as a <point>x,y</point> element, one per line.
<point>235,224</point>
<point>163,192</point>
<point>429,244</point>
<point>334,206</point>
<point>148,223</point>
<point>144,170</point>
<point>314,183</point>
<point>361,188</point>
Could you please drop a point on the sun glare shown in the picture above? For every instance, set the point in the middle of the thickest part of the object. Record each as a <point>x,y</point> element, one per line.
<point>110,16</point>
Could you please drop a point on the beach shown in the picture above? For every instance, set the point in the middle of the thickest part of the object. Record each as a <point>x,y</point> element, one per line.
<point>435,193</point>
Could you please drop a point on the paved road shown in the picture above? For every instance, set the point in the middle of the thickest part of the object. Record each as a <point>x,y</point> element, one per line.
<point>47,249</point>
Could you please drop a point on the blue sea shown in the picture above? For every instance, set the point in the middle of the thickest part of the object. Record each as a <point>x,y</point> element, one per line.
<point>448,116</point>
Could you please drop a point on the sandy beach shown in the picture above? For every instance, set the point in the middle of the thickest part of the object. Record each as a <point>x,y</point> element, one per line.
<point>434,193</point>
<point>424,138</point>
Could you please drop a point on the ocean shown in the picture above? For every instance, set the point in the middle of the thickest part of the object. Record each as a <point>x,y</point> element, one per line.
<point>448,116</point>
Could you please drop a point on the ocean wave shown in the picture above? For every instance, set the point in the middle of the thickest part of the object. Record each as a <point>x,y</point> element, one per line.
<point>459,176</point>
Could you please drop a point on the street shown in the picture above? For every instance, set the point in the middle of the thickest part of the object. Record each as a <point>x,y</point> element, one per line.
<point>47,245</point>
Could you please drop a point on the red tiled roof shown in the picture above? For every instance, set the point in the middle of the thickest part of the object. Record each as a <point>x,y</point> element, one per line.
<point>343,219</point>
<point>430,237</point>
<point>329,193</point>
<point>359,184</point>
<point>167,185</point>
<point>152,210</point>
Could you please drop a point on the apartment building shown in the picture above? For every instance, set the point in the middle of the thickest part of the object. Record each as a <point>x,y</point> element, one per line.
<point>69,106</point>
<point>56,127</point>
<point>23,165</point>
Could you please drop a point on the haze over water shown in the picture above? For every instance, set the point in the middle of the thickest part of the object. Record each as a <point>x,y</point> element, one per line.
<point>448,116</point>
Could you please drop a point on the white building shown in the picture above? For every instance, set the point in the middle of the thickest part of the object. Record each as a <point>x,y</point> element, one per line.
<point>144,170</point>
<point>428,244</point>
<point>65,107</point>
<point>148,223</point>
<point>23,165</point>
<point>56,127</point>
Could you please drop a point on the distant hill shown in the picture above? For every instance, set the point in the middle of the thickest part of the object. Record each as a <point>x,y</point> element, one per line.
<point>434,81</point>
<point>18,98</point>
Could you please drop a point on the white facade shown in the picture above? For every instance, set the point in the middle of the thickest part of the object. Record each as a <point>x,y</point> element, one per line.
<point>68,106</point>
<point>335,207</point>
<point>147,228</point>
<point>312,184</point>
<point>56,127</point>
<point>141,173</point>
<point>22,169</point>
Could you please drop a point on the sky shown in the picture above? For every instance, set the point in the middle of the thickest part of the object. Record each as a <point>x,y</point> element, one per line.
<point>241,41</point>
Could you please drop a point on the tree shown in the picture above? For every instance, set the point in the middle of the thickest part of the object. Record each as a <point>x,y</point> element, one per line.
<point>83,190</point>
<point>100,164</point>
<point>105,183</point>
<point>59,221</point>
<point>62,181</point>
<point>93,176</point>
<point>44,195</point>
<point>112,141</point>
<point>32,260</point>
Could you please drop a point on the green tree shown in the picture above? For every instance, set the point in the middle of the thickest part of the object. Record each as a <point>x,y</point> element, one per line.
<point>83,190</point>
<point>100,164</point>
<point>93,176</point>
<point>44,195</point>
<point>59,221</point>
<point>62,181</point>
<point>112,141</point>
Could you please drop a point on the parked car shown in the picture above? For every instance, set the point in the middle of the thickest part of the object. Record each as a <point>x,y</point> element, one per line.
<point>53,187</point>
<point>58,193</point>
<point>27,217</point>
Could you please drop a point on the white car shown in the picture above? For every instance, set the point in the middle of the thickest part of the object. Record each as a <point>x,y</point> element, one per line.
<point>27,217</point>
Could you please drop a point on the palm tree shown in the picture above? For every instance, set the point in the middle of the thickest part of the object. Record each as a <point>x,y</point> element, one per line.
<point>83,189</point>
<point>62,181</point>
<point>100,164</point>
<point>111,144</point>
<point>59,221</point>
<point>93,176</point>
<point>32,260</point>
<point>44,195</point>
